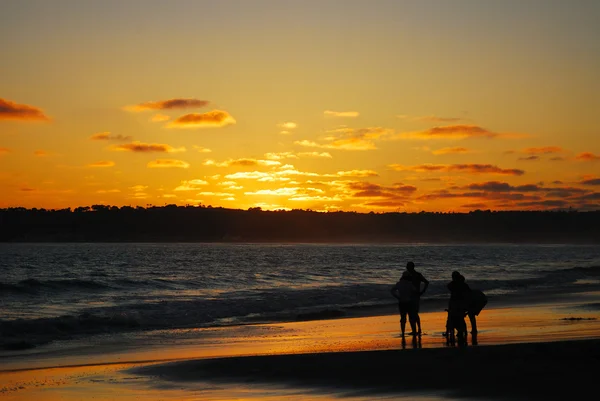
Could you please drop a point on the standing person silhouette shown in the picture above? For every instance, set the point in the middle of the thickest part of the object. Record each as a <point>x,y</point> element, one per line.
<point>457,306</point>
<point>405,292</point>
<point>417,278</point>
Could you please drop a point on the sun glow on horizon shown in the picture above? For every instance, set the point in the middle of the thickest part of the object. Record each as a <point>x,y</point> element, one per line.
<point>282,107</point>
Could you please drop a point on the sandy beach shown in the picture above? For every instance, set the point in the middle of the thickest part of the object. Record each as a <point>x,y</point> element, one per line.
<point>526,352</point>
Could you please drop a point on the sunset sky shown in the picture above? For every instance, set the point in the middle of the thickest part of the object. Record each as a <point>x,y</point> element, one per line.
<point>326,105</point>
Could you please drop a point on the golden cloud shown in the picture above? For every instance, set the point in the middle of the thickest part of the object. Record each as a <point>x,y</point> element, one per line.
<point>280,156</point>
<point>146,148</point>
<point>215,118</point>
<point>202,149</point>
<point>4,151</point>
<point>159,118</point>
<point>543,150</point>
<point>105,163</point>
<point>241,162</point>
<point>341,113</point>
<point>430,119</point>
<point>40,153</point>
<point>168,163</point>
<point>22,112</point>
<point>288,125</point>
<point>341,144</point>
<point>587,156</point>
<point>529,158</point>
<point>138,188</point>
<point>357,173</point>
<point>221,194</point>
<point>446,151</point>
<point>108,191</point>
<point>191,185</point>
<point>451,132</point>
<point>350,139</point>
<point>467,168</point>
<point>171,104</point>
<point>275,192</point>
<point>370,190</point>
<point>315,154</point>
<point>106,136</point>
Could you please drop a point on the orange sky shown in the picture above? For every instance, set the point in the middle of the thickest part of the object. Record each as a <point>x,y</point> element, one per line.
<point>322,105</point>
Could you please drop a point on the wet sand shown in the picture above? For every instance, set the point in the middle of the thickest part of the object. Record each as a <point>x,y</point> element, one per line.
<point>537,351</point>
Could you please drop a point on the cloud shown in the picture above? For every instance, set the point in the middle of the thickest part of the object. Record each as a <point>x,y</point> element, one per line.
<point>315,154</point>
<point>159,117</point>
<point>595,196</point>
<point>495,186</point>
<point>214,118</point>
<point>357,173</point>
<point>106,136</point>
<point>105,163</point>
<point>370,190</point>
<point>4,151</point>
<point>350,114</point>
<point>593,181</point>
<point>297,194</point>
<point>529,158</point>
<point>22,112</point>
<point>341,144</point>
<point>315,198</point>
<point>557,159</point>
<point>201,149</point>
<point>138,188</point>
<point>467,168</point>
<point>230,185</point>
<point>587,156</point>
<point>191,185</point>
<point>281,155</point>
<point>108,191</point>
<point>288,125</point>
<point>140,147</point>
<point>241,162</point>
<point>168,163</point>
<point>451,132</point>
<point>40,153</point>
<point>474,206</point>
<point>285,133</point>
<point>221,194</point>
<point>350,139</point>
<point>542,204</point>
<point>446,151</point>
<point>543,150</point>
<point>565,192</point>
<point>430,119</point>
<point>171,104</point>
<point>275,192</point>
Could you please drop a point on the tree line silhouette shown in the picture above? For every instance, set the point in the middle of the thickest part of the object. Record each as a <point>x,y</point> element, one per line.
<point>172,223</point>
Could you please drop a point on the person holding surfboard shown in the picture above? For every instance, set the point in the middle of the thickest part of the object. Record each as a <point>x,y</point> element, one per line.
<point>464,300</point>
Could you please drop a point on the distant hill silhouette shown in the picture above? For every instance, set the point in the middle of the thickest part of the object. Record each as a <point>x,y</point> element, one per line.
<point>171,223</point>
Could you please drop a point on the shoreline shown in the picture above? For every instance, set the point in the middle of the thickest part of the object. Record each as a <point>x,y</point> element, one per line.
<point>353,356</point>
<point>468,372</point>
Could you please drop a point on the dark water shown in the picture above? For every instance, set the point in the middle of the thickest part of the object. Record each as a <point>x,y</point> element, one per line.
<point>55,291</point>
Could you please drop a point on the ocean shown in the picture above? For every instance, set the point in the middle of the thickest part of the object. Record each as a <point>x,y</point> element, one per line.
<point>64,291</point>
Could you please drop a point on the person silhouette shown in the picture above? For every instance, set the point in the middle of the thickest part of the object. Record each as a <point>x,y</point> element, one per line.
<point>405,292</point>
<point>417,278</point>
<point>457,306</point>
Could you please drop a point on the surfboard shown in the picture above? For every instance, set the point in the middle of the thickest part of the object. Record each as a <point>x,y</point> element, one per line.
<point>477,302</point>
